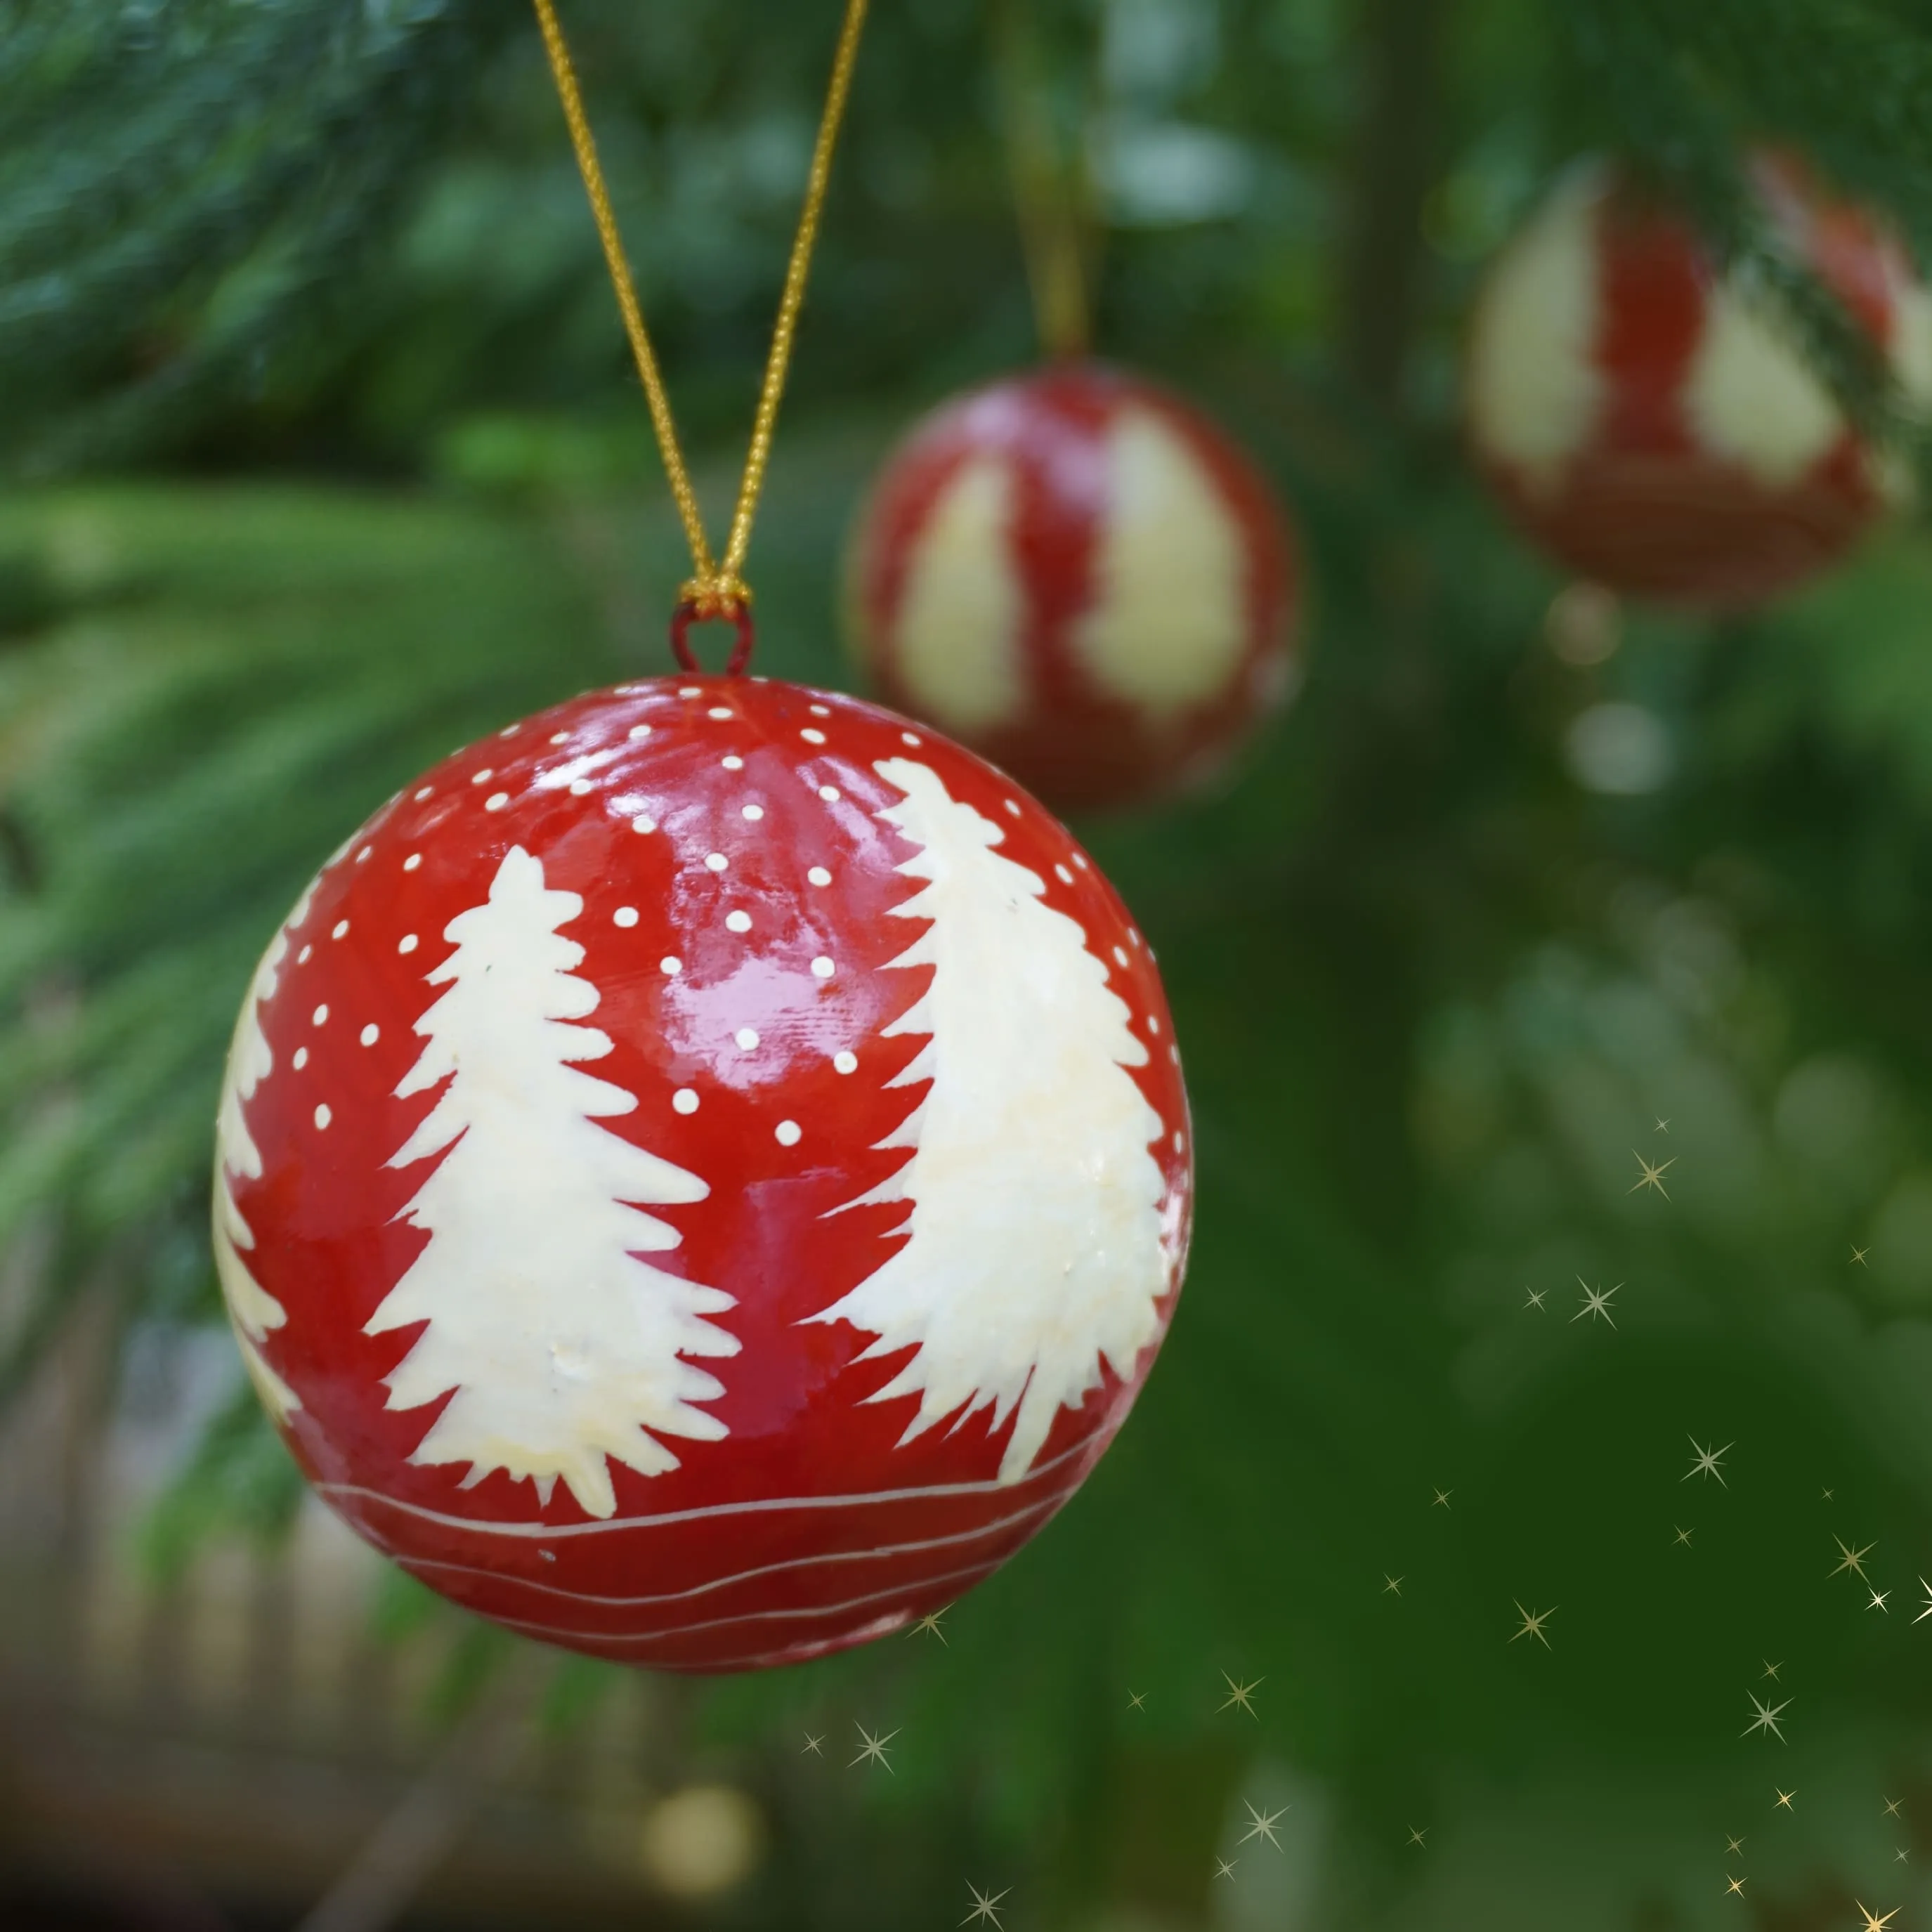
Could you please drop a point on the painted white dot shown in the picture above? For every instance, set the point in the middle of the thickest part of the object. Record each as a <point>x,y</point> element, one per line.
<point>819,876</point>
<point>733,763</point>
<point>671,965</point>
<point>639,731</point>
<point>746,1039</point>
<point>822,968</point>
<point>1119,955</point>
<point>1154,1024</point>
<point>1173,1054</point>
<point>911,738</point>
<point>821,711</point>
<point>408,943</point>
<point>1179,1140</point>
<point>323,1116</point>
<point>427,791</point>
<point>304,956</point>
<point>689,690</point>
<point>484,776</point>
<point>508,731</point>
<point>1060,873</point>
<point>1013,805</point>
<point>716,861</point>
<point>580,787</point>
<point>845,1063</point>
<point>786,1133</point>
<point>646,824</point>
<point>361,857</point>
<point>370,1034</point>
<point>812,737</point>
<point>413,862</point>
<point>1080,860</point>
<point>738,922</point>
<point>829,793</point>
<point>719,711</point>
<point>629,690</point>
<point>319,1017</point>
<point>497,801</point>
<point>625,916</point>
<point>753,813</point>
<point>337,930</point>
<point>559,737</point>
<point>684,1101</point>
<point>301,1058</point>
<point>1134,935</point>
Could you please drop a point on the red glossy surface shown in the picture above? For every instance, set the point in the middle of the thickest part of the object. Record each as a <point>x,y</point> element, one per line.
<point>1641,506</point>
<point>1075,742</point>
<point>807,1525</point>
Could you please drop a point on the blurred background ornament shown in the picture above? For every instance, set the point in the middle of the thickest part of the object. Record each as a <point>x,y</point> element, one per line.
<point>1077,574</point>
<point>1651,421</point>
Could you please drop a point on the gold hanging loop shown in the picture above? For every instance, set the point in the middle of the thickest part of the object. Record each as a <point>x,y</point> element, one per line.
<point>715,589</point>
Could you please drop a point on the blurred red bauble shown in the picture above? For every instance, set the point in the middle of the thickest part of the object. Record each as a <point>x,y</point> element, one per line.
<point>1080,577</point>
<point>703,1175</point>
<point>1653,428</point>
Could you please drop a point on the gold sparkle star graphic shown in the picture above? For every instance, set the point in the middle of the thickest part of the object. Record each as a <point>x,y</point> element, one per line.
<point>1874,1923</point>
<point>1416,1838</point>
<point>1784,1798</point>
<point>1136,1700</point>
<point>813,1744</point>
<point>1535,1294</point>
<point>1829,1494</point>
<point>1708,1462</point>
<point>1771,1670</point>
<point>1899,1857</point>
<point>1734,1848</point>
<point>1733,1885</point>
<point>1442,1499</point>
<point>1238,1695</point>
<point>873,1748</point>
<point>1596,1302</point>
<point>1533,1621</point>
<point>1927,1611</point>
<point>1877,1603</point>
<point>1391,1585</point>
<point>985,1908</point>
<point>1858,1254</point>
<point>1684,1536</point>
<point>1662,1126</point>
<point>1855,1560</point>
<point>1652,1177</point>
<point>1766,1719</point>
<point>1891,1807</point>
<point>929,1627</point>
<point>1224,1868</point>
<point>1262,1825</point>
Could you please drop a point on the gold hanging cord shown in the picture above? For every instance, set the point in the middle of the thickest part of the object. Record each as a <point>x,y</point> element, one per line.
<point>717,590</point>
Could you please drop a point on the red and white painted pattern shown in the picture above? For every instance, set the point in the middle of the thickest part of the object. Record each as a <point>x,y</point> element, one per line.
<point>1079,575</point>
<point>1649,424</point>
<point>704,1174</point>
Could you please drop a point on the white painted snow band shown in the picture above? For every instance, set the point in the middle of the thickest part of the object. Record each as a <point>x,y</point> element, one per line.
<point>786,1615</point>
<point>415,1564</point>
<point>543,1531</point>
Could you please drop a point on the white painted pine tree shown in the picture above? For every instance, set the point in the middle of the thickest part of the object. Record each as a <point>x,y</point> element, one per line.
<point>252,1310</point>
<point>1036,1242</point>
<point>563,1345</point>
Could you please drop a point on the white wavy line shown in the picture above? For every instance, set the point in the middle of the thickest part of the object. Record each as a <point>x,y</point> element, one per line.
<point>748,1616</point>
<point>545,1531</point>
<point>415,1564</point>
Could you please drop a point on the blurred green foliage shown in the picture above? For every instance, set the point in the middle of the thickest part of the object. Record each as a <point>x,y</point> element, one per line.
<point>1439,968</point>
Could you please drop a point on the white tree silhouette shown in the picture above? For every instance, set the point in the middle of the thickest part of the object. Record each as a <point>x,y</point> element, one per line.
<point>1036,1240</point>
<point>252,1310</point>
<point>563,1348</point>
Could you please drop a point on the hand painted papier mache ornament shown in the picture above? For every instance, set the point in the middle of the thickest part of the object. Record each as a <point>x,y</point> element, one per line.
<point>1079,575</point>
<point>1650,422</point>
<point>704,1174</point>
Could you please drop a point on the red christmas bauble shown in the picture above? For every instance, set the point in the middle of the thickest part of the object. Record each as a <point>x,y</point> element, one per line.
<point>1079,575</point>
<point>703,1175</point>
<point>1651,425</point>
